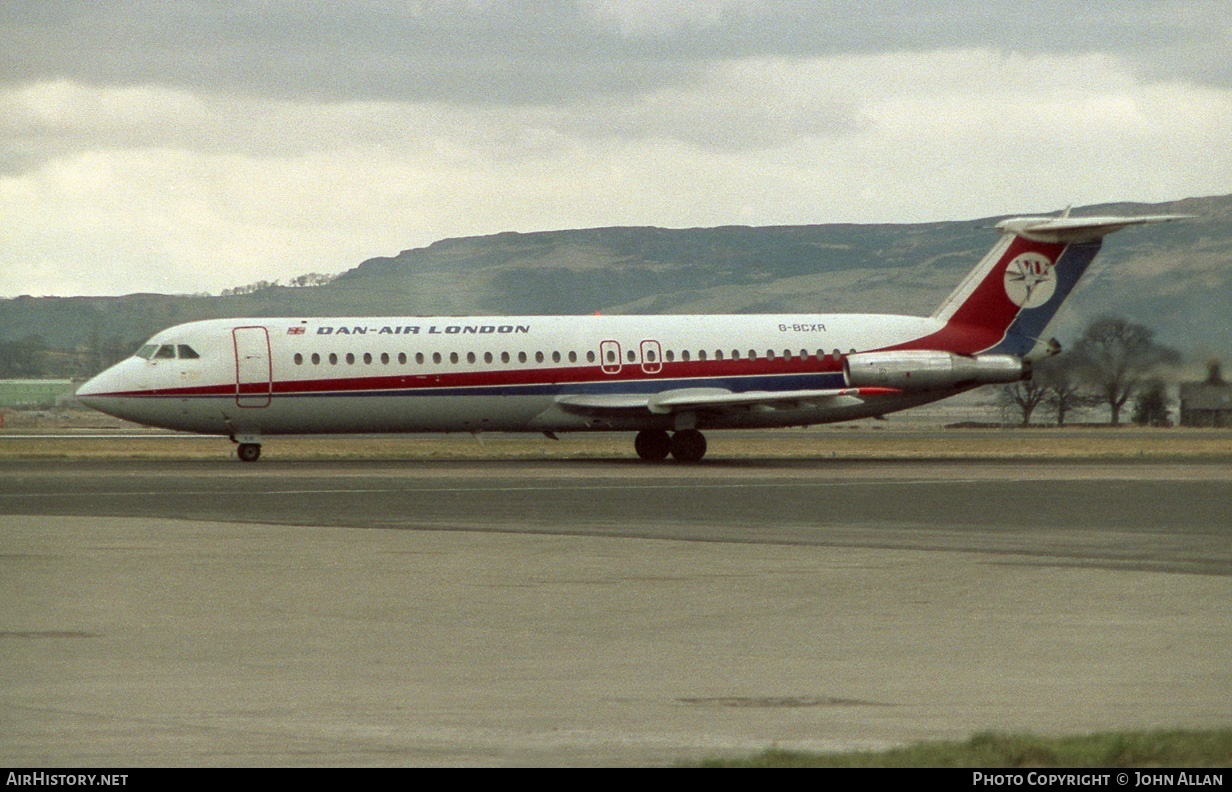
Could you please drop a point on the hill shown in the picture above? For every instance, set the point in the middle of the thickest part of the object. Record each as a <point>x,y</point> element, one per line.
<point>1175,278</point>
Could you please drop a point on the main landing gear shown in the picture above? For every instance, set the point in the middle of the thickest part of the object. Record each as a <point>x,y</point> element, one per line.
<point>654,445</point>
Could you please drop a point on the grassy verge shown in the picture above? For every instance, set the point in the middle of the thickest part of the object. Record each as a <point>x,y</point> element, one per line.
<point>1111,749</point>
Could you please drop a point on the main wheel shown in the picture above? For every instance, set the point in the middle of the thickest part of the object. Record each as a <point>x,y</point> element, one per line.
<point>249,452</point>
<point>652,445</point>
<point>688,445</point>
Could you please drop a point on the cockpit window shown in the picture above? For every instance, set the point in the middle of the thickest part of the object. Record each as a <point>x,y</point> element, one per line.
<point>165,351</point>
<point>146,352</point>
<point>187,352</point>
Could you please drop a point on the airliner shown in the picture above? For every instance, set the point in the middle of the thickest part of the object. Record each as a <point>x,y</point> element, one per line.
<point>665,378</point>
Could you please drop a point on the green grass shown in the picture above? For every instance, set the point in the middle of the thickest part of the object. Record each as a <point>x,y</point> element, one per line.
<point>1111,749</point>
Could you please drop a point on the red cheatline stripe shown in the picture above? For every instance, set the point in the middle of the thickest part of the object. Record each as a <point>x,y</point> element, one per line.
<point>700,370</point>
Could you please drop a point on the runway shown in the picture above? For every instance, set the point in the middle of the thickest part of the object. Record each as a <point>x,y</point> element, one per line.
<point>600,612</point>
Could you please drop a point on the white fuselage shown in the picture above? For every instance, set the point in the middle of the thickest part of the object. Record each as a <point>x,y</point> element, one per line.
<point>472,374</point>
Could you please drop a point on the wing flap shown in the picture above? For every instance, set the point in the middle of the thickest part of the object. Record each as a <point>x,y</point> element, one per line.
<point>683,399</point>
<point>675,401</point>
<point>599,402</point>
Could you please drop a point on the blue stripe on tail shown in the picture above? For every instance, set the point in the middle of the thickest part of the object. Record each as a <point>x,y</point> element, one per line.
<point>1029,327</point>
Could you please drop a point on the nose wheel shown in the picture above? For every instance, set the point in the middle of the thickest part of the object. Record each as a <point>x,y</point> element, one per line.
<point>248,452</point>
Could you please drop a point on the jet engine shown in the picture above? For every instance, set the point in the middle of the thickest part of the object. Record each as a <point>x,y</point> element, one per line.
<point>922,370</point>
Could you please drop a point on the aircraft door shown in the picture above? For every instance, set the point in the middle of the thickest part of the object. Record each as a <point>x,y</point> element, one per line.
<point>253,368</point>
<point>609,357</point>
<point>652,357</point>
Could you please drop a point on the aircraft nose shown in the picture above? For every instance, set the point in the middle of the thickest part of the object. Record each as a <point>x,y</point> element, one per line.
<point>88,389</point>
<point>100,385</point>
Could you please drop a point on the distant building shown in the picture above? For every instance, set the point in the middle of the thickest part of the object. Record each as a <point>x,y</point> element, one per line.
<point>32,394</point>
<point>1207,403</point>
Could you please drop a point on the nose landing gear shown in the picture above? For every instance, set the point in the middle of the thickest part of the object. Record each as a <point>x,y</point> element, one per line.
<point>248,448</point>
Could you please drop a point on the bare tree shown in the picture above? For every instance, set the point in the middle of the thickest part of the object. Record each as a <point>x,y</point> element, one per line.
<point>1022,398</point>
<point>1116,356</point>
<point>1060,378</point>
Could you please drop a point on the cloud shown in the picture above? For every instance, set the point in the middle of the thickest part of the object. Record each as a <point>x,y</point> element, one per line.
<point>155,188</point>
<point>185,146</point>
<point>551,52</point>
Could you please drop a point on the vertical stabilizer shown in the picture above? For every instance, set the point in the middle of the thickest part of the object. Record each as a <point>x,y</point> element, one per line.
<point>1007,302</point>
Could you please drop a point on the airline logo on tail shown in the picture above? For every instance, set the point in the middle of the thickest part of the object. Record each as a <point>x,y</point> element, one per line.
<point>1030,280</point>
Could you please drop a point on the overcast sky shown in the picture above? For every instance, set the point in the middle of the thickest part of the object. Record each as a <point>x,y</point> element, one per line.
<point>168,146</point>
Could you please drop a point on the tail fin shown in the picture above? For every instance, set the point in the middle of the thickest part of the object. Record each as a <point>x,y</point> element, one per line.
<point>1008,300</point>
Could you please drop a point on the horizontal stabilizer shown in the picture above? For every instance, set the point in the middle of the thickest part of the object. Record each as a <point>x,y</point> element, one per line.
<point>1076,229</point>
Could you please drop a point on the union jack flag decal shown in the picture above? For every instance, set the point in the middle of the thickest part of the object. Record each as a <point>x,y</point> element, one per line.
<point>295,330</point>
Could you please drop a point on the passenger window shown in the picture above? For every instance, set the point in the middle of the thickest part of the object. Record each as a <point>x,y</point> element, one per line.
<point>590,357</point>
<point>187,352</point>
<point>718,354</point>
<point>769,354</point>
<point>487,357</point>
<point>419,358</point>
<point>632,356</point>
<point>538,357</point>
<point>436,357</point>
<point>402,358</point>
<point>165,352</point>
<point>752,354</point>
<point>735,354</point>
<point>573,357</point>
<point>146,352</point>
<point>299,359</point>
<point>333,358</point>
<point>470,357</point>
<point>669,355</point>
<point>504,357</point>
<point>453,357</point>
<point>521,357</point>
<point>350,358</point>
<point>316,359</point>
<point>385,358</point>
<point>700,355</point>
<point>650,356</point>
<point>368,358</point>
<point>611,356</point>
<point>555,357</point>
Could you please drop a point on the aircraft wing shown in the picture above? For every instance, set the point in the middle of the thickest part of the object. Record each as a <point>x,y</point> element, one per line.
<point>683,399</point>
